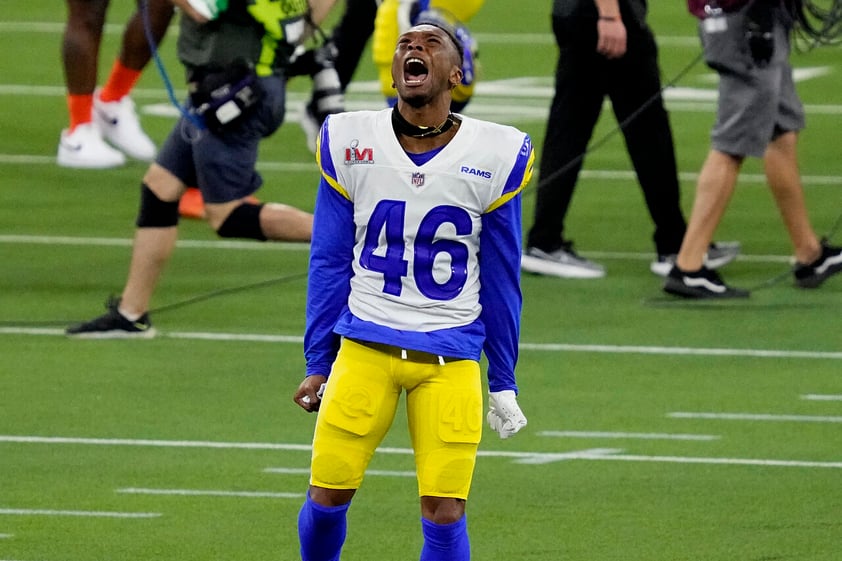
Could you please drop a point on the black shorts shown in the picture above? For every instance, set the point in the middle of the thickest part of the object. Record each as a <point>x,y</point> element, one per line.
<point>223,165</point>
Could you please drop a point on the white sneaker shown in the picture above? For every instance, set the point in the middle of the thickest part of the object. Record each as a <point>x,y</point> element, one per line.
<point>85,148</point>
<point>563,262</point>
<point>119,124</point>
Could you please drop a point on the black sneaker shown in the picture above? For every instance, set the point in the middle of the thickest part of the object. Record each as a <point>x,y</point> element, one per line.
<point>113,325</point>
<point>828,264</point>
<point>704,283</point>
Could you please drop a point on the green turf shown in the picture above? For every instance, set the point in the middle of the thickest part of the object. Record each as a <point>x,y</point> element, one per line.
<point>185,414</point>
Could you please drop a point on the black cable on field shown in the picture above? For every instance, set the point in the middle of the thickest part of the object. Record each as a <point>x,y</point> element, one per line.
<point>173,306</point>
<point>227,291</point>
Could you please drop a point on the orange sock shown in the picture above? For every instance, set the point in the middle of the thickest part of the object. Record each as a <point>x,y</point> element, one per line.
<point>80,107</point>
<point>120,82</point>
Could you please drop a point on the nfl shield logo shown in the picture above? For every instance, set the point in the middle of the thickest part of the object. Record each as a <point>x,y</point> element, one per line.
<point>417,179</point>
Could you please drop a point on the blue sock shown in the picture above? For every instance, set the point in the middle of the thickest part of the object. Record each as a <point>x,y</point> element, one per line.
<point>321,530</point>
<point>446,542</point>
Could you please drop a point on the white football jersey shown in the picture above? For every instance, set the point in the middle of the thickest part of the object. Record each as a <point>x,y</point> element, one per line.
<point>417,227</point>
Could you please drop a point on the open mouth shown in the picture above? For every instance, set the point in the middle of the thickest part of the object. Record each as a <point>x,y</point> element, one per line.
<point>414,71</point>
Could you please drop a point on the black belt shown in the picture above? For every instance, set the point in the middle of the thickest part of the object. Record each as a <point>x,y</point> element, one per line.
<point>407,354</point>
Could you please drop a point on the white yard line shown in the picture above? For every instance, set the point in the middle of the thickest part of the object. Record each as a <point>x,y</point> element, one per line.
<point>155,443</point>
<point>631,435</point>
<point>715,461</point>
<point>82,513</point>
<point>822,397</point>
<point>680,351</point>
<point>306,471</point>
<point>209,493</point>
<point>620,177</point>
<point>529,458</point>
<point>537,347</point>
<point>756,417</point>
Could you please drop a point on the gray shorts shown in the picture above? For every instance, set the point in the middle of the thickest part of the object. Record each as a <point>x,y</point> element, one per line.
<point>222,166</point>
<point>755,104</point>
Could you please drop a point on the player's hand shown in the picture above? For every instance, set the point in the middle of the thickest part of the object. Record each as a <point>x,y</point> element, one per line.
<point>611,38</point>
<point>309,393</point>
<point>504,414</point>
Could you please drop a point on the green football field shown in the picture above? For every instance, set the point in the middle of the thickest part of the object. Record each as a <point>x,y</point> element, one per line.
<point>659,430</point>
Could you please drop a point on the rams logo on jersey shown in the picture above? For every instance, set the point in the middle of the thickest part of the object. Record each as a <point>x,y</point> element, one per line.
<point>468,170</point>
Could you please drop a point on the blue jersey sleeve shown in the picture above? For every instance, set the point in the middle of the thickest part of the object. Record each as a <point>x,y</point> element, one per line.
<point>500,295</point>
<point>328,283</point>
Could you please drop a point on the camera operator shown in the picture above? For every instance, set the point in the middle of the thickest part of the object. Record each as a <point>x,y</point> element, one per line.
<point>236,68</point>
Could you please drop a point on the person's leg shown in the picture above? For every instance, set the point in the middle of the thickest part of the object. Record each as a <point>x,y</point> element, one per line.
<point>81,144</point>
<point>635,96</point>
<point>269,221</point>
<point>576,106</point>
<point>135,51</point>
<point>347,433</point>
<point>446,540</point>
<point>574,110</point>
<point>444,410</point>
<point>781,166</point>
<point>114,110</point>
<point>154,240</point>
<point>322,523</point>
<point>153,245</point>
<point>80,55</point>
<point>714,189</point>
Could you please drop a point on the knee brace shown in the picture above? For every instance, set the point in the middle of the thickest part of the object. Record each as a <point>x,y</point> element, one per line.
<point>155,213</point>
<point>243,222</point>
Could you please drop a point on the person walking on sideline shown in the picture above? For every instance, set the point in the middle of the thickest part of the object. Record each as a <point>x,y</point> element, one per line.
<point>606,49</point>
<point>759,114</point>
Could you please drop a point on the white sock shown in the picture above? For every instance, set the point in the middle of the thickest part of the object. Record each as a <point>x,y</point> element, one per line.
<point>128,316</point>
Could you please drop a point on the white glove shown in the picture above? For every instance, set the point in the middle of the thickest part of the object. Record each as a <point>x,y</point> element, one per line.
<point>504,414</point>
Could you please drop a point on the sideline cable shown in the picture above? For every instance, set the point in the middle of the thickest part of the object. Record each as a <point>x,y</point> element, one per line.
<point>173,306</point>
<point>620,125</point>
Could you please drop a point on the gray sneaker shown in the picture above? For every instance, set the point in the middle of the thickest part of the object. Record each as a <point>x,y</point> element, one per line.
<point>113,325</point>
<point>563,262</point>
<point>719,254</point>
